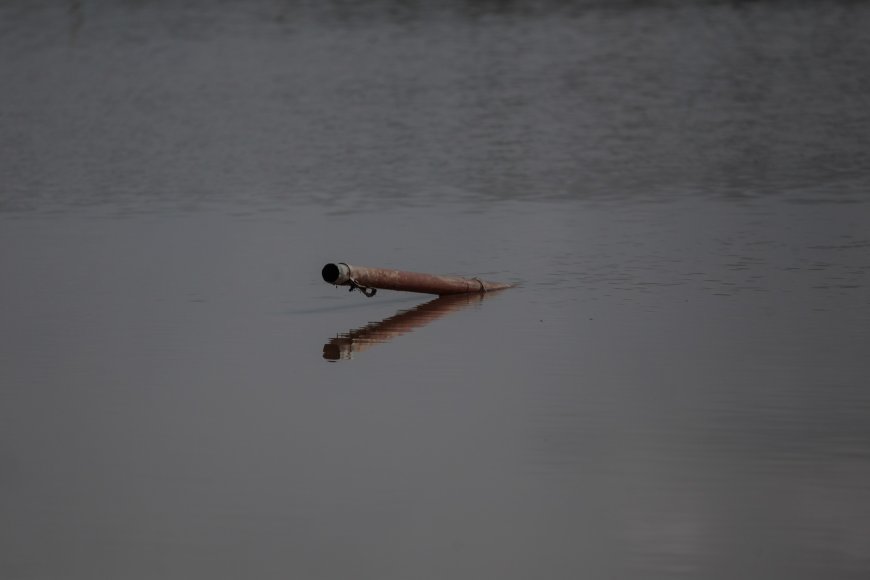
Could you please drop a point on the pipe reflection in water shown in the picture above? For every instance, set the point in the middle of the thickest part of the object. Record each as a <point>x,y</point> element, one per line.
<point>345,345</point>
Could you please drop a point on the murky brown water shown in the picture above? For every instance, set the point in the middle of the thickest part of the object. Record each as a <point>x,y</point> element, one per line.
<point>676,388</point>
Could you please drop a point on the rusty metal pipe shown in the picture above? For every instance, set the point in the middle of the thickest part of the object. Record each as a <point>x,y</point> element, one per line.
<point>363,278</point>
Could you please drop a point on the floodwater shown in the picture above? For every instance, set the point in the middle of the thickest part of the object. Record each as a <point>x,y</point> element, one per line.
<point>677,387</point>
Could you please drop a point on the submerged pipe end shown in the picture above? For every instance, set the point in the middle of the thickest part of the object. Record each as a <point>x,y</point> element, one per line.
<point>337,274</point>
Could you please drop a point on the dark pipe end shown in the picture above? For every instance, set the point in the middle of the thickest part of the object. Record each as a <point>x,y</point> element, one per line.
<point>331,351</point>
<point>330,273</point>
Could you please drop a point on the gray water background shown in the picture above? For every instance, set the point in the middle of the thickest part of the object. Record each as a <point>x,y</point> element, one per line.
<point>678,387</point>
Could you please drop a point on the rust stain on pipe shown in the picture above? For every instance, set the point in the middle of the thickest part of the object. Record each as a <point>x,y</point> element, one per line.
<point>342,274</point>
<point>345,345</point>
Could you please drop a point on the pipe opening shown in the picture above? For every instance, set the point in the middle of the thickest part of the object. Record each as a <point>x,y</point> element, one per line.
<point>330,273</point>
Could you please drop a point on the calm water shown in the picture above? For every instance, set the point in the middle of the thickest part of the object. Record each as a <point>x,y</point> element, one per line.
<point>678,387</point>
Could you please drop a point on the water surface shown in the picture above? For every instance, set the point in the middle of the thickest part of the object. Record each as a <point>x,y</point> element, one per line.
<point>676,388</point>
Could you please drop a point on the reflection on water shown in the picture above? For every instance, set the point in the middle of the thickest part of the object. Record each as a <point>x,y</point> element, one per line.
<point>346,344</point>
